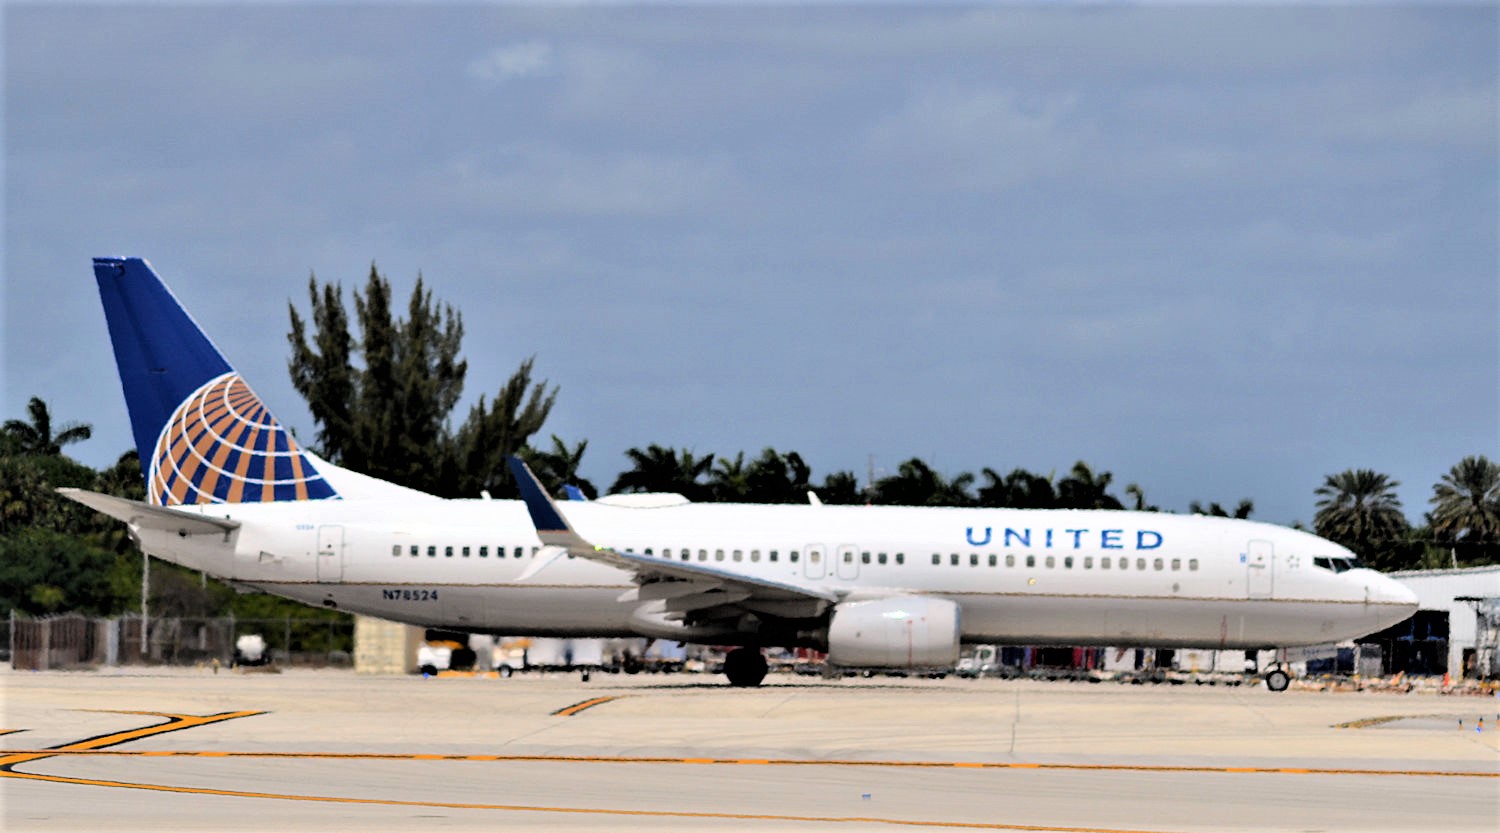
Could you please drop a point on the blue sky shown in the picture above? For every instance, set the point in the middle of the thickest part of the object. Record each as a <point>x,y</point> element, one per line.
<point>1218,251</point>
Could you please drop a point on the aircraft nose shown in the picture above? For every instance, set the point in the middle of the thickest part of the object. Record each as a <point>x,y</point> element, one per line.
<point>1401,602</point>
<point>1394,592</point>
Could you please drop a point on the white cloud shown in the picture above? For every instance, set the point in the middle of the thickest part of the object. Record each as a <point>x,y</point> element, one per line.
<point>527,59</point>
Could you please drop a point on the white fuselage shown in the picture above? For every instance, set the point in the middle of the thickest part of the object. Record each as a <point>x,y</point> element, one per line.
<point>1018,576</point>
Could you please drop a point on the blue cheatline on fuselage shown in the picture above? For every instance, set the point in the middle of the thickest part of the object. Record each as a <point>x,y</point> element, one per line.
<point>211,439</point>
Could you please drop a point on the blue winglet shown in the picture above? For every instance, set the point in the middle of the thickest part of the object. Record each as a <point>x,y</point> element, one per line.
<point>544,514</point>
<point>575,494</point>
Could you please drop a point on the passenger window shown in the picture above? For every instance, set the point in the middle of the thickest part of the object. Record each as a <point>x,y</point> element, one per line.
<point>1088,562</point>
<point>973,559</point>
<point>937,559</point>
<point>739,555</point>
<point>1176,564</point>
<point>534,551</point>
<point>516,553</point>
<point>900,558</point>
<point>771,556</point>
<point>432,552</point>
<point>1140,563</point>
<point>649,551</point>
<point>1067,562</point>
<point>466,552</point>
<point>848,558</point>
<point>953,559</point>
<point>413,551</point>
<point>791,556</point>
<point>1010,560</point>
<point>1051,562</point>
<point>864,558</point>
<point>1157,564</point>
<point>815,557</point>
<point>994,560</point>
<point>1031,561</point>
<point>447,552</point>
<point>1124,563</point>
<point>396,550</point>
<point>755,556</point>
<point>881,558</point>
<point>1192,564</point>
<point>702,555</point>
<point>1104,563</point>
<point>718,555</point>
<point>484,550</point>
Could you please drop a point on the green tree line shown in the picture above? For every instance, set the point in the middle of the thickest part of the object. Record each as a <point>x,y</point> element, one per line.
<point>381,388</point>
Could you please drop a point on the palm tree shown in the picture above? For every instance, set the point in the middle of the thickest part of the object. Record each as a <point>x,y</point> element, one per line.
<point>1138,498</point>
<point>1018,490</point>
<point>916,484</point>
<point>36,437</point>
<point>1359,509</point>
<point>1082,489</point>
<point>559,466</point>
<point>1242,511</point>
<point>660,469</point>
<point>729,481</point>
<point>842,487</point>
<point>1466,506</point>
<point>778,478</point>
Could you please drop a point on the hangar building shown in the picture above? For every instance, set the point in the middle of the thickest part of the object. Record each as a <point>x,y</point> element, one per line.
<point>1456,628</point>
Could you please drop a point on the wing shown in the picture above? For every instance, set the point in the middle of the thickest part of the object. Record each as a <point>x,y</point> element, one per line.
<point>687,590</point>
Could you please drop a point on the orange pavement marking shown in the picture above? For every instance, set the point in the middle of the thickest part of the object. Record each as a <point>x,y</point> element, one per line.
<point>94,746</point>
<point>598,811</point>
<point>569,711</point>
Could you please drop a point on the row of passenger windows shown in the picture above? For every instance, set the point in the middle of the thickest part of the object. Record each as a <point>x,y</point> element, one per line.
<point>1069,562</point>
<point>483,551</point>
<point>686,554</point>
<point>772,556</point>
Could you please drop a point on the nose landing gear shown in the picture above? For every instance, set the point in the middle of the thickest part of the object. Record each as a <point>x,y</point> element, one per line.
<point>1277,679</point>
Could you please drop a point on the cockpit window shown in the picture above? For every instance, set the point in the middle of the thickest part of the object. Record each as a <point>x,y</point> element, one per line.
<point>1338,565</point>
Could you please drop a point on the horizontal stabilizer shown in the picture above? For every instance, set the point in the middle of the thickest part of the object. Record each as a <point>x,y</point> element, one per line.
<point>146,516</point>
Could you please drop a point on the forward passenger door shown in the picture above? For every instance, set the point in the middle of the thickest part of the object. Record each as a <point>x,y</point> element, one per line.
<point>1260,569</point>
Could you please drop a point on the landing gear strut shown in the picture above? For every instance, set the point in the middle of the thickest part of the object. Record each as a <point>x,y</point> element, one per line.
<point>745,667</point>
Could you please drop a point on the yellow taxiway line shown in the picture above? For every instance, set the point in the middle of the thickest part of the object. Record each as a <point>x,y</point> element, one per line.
<point>789,762</point>
<point>176,722</point>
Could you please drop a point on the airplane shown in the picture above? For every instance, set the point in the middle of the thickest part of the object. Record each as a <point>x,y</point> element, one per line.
<point>232,494</point>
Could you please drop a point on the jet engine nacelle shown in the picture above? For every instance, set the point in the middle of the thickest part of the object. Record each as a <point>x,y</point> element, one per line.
<point>897,632</point>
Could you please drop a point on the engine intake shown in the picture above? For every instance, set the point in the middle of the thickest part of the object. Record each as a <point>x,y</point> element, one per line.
<point>898,632</point>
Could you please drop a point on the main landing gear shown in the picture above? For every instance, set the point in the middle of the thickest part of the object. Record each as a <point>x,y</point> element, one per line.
<point>745,667</point>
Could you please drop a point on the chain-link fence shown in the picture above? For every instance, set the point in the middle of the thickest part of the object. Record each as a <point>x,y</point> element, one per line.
<point>76,641</point>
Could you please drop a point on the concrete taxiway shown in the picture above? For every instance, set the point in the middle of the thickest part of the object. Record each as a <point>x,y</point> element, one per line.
<point>192,750</point>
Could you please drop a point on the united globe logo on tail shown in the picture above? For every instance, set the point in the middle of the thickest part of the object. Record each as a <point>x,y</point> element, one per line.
<point>222,445</point>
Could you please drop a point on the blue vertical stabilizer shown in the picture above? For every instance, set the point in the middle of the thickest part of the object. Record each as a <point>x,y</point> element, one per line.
<point>203,435</point>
